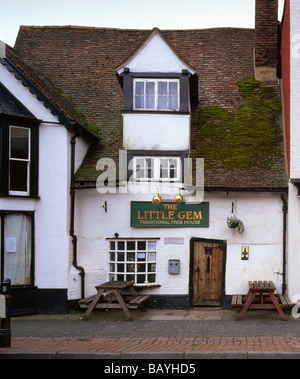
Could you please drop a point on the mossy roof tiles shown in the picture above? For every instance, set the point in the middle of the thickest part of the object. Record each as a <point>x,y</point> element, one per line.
<point>82,62</point>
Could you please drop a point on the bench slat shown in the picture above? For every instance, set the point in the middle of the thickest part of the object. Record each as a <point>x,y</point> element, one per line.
<point>237,301</point>
<point>234,300</point>
<point>139,300</point>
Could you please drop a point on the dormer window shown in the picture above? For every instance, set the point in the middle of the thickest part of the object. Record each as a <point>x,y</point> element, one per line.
<point>153,92</point>
<point>156,94</point>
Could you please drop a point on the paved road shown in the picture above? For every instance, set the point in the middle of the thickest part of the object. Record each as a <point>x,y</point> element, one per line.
<point>160,334</point>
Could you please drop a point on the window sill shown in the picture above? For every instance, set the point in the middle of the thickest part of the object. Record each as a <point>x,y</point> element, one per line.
<point>147,285</point>
<point>20,196</point>
<point>154,112</point>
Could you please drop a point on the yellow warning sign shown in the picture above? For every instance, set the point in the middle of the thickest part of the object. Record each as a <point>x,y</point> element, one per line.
<point>245,253</point>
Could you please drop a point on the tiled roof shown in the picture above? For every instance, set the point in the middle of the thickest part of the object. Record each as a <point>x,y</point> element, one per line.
<point>82,61</point>
<point>52,96</point>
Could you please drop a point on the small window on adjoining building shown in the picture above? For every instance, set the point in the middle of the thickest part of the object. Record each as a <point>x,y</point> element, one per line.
<point>19,155</point>
<point>19,160</point>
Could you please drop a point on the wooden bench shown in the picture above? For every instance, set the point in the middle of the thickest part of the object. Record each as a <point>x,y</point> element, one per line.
<point>138,302</point>
<point>237,301</point>
<point>261,296</point>
<point>285,302</point>
<point>114,295</point>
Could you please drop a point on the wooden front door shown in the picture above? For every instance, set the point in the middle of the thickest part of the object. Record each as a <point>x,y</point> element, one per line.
<point>208,271</point>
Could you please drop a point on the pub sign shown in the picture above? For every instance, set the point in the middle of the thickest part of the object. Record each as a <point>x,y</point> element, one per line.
<point>169,215</point>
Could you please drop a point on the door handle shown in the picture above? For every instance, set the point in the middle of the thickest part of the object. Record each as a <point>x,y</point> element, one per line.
<point>196,268</point>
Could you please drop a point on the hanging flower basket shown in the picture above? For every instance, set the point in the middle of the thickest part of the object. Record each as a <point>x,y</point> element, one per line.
<point>233,223</point>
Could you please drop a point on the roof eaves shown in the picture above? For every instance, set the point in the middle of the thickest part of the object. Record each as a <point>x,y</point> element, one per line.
<point>37,89</point>
<point>19,75</point>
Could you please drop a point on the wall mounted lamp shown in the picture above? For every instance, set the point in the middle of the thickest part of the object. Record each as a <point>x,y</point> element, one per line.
<point>157,198</point>
<point>178,198</point>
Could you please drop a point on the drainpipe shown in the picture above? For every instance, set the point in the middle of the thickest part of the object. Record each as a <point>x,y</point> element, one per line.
<point>284,210</point>
<point>72,213</point>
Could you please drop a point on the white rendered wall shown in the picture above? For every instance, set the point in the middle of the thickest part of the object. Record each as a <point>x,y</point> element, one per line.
<point>51,209</point>
<point>261,214</point>
<point>155,56</point>
<point>293,260</point>
<point>295,89</point>
<point>156,132</point>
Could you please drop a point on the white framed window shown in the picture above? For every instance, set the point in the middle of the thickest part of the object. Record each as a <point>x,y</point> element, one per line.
<point>156,94</point>
<point>157,169</point>
<point>19,160</point>
<point>133,260</point>
<point>170,169</point>
<point>143,168</point>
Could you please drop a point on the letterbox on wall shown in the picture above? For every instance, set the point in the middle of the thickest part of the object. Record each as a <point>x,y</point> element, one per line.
<point>174,266</point>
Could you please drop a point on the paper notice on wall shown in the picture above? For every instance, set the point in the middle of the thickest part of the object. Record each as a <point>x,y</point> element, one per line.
<point>11,245</point>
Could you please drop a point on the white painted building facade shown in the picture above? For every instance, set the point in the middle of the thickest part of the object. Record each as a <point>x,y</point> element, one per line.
<point>182,254</point>
<point>35,241</point>
<point>261,213</point>
<point>291,88</point>
<point>103,218</point>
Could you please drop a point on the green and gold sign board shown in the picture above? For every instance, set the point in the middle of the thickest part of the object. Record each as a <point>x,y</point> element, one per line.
<point>169,215</point>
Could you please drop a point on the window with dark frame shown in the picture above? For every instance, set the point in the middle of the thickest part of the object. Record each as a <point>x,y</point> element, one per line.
<point>156,94</point>
<point>19,160</point>
<point>19,146</point>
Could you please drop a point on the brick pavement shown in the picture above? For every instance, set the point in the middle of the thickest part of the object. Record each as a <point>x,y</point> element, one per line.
<point>159,344</point>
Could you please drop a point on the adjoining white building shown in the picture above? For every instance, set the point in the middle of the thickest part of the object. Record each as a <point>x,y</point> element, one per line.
<point>290,55</point>
<point>165,104</point>
<point>36,131</point>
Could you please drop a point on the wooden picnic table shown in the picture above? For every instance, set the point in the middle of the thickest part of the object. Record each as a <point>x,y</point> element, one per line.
<point>261,296</point>
<point>114,295</point>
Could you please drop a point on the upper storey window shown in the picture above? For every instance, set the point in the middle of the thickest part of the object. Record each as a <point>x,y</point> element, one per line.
<point>19,160</point>
<point>156,94</point>
<point>19,144</point>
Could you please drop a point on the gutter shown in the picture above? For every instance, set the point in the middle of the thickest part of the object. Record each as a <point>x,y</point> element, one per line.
<point>284,210</point>
<point>72,213</point>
